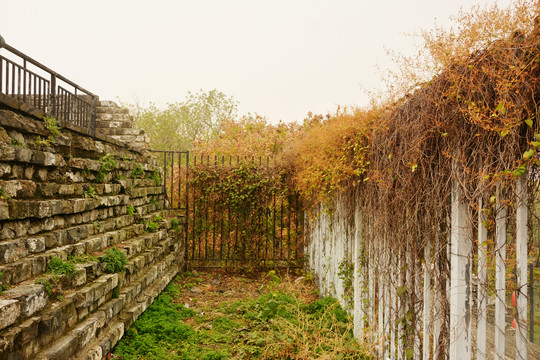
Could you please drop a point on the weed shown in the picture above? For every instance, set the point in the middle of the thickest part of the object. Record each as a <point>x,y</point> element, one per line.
<point>47,286</point>
<point>175,223</point>
<point>3,194</point>
<point>158,328</point>
<point>59,297</point>
<point>42,142</point>
<point>108,164</point>
<point>159,218</point>
<point>274,325</point>
<point>137,172</point>
<point>90,192</point>
<point>3,286</point>
<point>154,202</point>
<point>131,210</point>
<point>52,126</point>
<point>156,177</point>
<point>116,292</point>
<point>16,142</point>
<point>114,260</point>
<point>152,226</point>
<point>97,226</point>
<point>58,267</point>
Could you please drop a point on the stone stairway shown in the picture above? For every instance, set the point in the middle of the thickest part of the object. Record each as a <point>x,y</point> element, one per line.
<point>114,121</point>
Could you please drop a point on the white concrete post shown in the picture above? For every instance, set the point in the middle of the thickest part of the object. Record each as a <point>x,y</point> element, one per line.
<point>358,276</point>
<point>481,293</point>
<point>460,285</point>
<point>427,300</point>
<point>521,268</point>
<point>437,298</point>
<point>393,301</point>
<point>500,278</point>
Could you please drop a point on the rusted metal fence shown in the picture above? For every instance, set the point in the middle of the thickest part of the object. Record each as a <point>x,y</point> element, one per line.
<point>255,226</point>
<point>26,80</point>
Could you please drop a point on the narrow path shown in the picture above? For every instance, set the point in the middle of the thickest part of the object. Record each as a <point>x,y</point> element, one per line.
<point>212,315</point>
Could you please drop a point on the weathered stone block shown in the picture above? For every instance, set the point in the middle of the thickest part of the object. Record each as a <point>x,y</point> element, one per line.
<point>10,311</point>
<point>32,298</point>
<point>87,330</point>
<point>44,158</point>
<point>7,152</point>
<point>39,265</point>
<point>35,244</point>
<point>23,154</point>
<point>11,251</point>
<point>50,325</point>
<point>79,277</point>
<point>5,169</point>
<point>4,210</point>
<point>21,271</point>
<point>94,353</point>
<point>62,349</point>
<point>42,174</point>
<point>17,172</point>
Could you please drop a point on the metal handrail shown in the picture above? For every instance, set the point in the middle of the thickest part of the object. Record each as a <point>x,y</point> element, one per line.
<point>20,83</point>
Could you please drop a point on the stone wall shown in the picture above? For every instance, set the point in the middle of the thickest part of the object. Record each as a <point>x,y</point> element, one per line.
<point>58,200</point>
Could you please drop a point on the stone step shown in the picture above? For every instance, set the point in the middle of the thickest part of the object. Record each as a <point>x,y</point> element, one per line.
<point>121,131</point>
<point>113,124</point>
<point>113,117</point>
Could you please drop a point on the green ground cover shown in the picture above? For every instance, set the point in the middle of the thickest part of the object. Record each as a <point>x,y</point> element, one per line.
<point>213,316</point>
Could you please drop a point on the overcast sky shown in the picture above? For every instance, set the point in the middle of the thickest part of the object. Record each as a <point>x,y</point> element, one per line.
<point>278,58</point>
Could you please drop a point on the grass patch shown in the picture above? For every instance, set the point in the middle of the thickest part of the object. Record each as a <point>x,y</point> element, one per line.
<point>115,260</point>
<point>217,316</point>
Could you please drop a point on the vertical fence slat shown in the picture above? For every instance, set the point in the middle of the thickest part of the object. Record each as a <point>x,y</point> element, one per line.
<point>521,269</point>
<point>358,277</point>
<point>500,278</point>
<point>481,292</point>
<point>393,301</point>
<point>427,301</point>
<point>387,302</point>
<point>460,287</point>
<point>380,294</point>
<point>400,309</point>
<point>437,298</point>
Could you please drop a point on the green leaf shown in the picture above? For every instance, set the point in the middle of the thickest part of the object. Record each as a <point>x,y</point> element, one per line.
<point>500,107</point>
<point>528,154</point>
<point>401,290</point>
<point>529,122</point>
<point>537,137</point>
<point>536,144</point>
<point>493,199</point>
<point>520,170</point>
<point>444,134</point>
<point>413,167</point>
<point>504,133</point>
<point>484,224</point>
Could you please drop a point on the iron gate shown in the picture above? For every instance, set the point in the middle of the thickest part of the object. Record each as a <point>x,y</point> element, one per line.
<point>235,213</point>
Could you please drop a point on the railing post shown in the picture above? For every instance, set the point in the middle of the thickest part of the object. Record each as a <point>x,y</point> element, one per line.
<point>2,42</point>
<point>93,115</point>
<point>52,97</point>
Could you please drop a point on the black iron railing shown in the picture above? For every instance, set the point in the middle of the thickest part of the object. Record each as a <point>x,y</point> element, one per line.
<point>261,229</point>
<point>25,79</point>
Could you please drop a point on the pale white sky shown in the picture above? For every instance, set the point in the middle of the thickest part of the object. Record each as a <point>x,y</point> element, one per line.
<point>279,58</point>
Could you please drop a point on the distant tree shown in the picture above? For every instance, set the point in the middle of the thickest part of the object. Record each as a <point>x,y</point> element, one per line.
<point>251,136</point>
<point>177,125</point>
